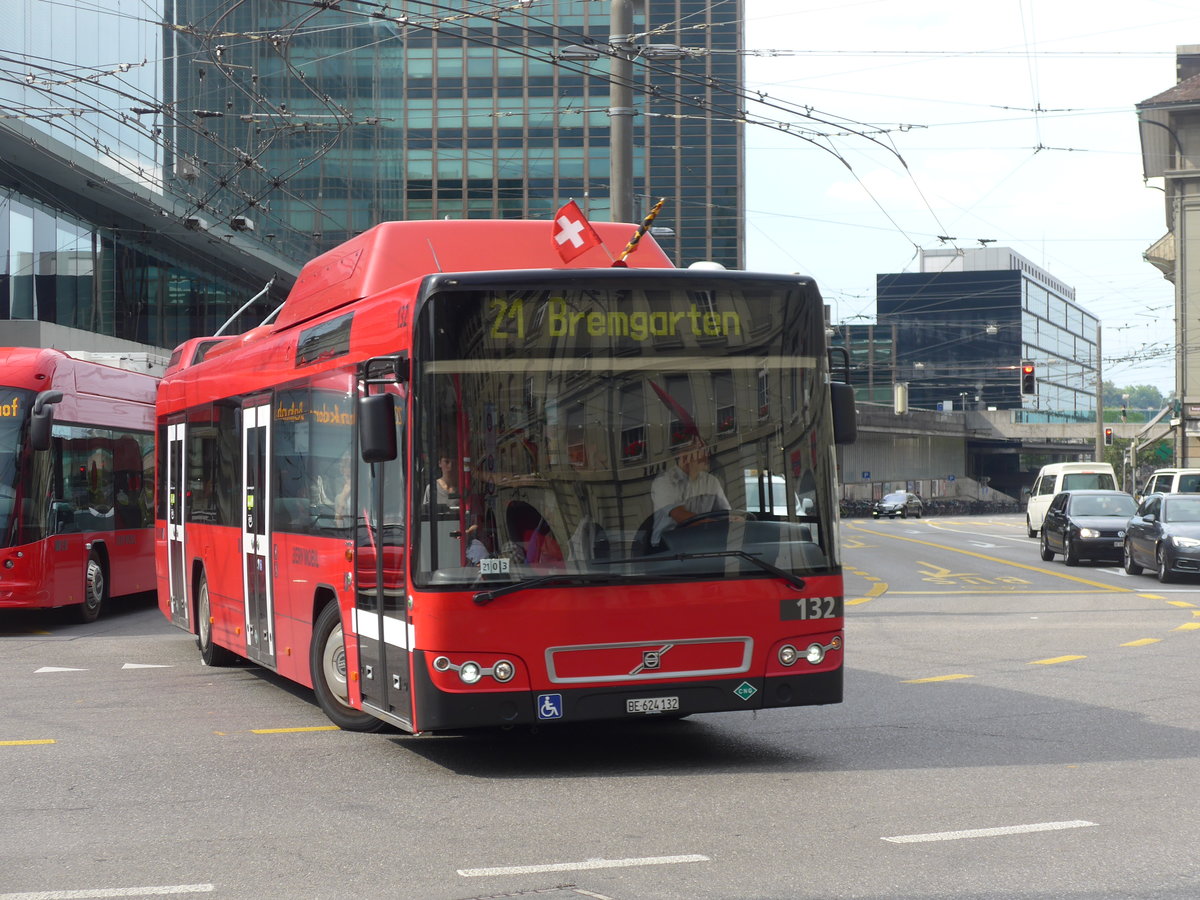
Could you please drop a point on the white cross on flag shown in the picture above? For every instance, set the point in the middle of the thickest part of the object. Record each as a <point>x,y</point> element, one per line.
<point>573,234</point>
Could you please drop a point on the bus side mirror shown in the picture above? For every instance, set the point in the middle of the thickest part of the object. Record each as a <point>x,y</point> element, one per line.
<point>42,418</point>
<point>845,416</point>
<point>377,427</point>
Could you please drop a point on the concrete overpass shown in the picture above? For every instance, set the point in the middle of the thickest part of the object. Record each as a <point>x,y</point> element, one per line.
<point>969,453</point>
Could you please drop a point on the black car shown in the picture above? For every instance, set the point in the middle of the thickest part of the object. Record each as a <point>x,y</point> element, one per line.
<point>1164,534</point>
<point>1086,525</point>
<point>898,503</point>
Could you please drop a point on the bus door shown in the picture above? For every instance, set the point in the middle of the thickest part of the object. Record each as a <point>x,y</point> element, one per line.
<point>257,570</point>
<point>381,608</point>
<point>176,514</point>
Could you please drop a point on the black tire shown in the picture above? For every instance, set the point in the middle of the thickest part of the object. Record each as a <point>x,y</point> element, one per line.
<point>210,654</point>
<point>95,589</point>
<point>327,665</point>
<point>1131,568</point>
<point>1165,575</point>
<point>1029,529</point>
<point>1070,552</point>
<point>1047,553</point>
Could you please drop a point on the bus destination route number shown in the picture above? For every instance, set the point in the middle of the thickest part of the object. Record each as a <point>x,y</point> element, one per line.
<point>494,566</point>
<point>806,608</point>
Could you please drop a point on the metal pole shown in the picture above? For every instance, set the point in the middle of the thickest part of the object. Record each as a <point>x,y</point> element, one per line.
<point>1099,399</point>
<point>620,111</point>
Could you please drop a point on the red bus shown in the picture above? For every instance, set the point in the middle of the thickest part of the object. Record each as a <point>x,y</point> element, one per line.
<point>76,481</point>
<point>430,488</point>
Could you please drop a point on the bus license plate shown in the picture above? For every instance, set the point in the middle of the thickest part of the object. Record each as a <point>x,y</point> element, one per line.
<point>651,705</point>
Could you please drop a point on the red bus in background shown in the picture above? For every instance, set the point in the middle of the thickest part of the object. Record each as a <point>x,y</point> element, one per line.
<point>430,488</point>
<point>76,481</point>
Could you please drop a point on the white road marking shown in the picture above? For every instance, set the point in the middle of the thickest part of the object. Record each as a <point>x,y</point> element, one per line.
<point>981,832</point>
<point>100,893</point>
<point>45,669</point>
<point>578,866</point>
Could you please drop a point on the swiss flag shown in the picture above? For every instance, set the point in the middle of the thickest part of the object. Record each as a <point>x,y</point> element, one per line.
<point>573,234</point>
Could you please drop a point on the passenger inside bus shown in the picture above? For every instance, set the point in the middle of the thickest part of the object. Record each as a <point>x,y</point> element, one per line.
<point>446,486</point>
<point>532,535</point>
<point>332,488</point>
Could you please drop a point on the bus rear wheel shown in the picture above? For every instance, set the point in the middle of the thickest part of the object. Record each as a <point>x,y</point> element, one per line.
<point>327,665</point>
<point>95,589</point>
<point>210,653</point>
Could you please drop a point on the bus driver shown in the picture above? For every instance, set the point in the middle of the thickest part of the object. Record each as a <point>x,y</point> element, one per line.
<point>686,490</point>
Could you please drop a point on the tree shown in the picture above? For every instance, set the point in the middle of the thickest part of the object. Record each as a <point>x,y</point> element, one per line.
<point>1141,396</point>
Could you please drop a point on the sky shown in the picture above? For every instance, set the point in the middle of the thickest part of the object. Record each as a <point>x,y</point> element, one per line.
<point>1010,122</point>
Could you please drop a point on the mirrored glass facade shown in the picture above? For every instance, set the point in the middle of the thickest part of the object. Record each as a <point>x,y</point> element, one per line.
<point>319,124</point>
<point>962,334</point>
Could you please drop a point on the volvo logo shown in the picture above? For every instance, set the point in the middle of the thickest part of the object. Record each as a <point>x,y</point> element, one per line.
<point>652,659</point>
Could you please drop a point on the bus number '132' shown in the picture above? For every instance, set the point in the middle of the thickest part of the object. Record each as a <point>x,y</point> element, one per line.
<point>812,608</point>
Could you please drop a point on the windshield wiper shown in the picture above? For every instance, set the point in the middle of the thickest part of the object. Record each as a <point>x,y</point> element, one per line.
<point>485,597</point>
<point>794,580</point>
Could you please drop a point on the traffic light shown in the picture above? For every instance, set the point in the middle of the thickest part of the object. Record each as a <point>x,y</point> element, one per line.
<point>1028,383</point>
<point>1108,437</point>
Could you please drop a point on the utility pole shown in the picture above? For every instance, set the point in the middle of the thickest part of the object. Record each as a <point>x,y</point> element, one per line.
<point>620,111</point>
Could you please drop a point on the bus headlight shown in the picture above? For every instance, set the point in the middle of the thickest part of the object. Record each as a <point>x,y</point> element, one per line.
<point>816,651</point>
<point>788,655</point>
<point>471,672</point>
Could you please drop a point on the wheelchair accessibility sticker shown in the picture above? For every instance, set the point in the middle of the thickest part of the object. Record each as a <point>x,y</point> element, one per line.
<point>549,706</point>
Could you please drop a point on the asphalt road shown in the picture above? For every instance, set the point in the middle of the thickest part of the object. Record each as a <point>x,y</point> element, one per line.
<point>1012,728</point>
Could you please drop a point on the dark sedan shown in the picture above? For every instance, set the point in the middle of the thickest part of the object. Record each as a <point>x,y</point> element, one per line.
<point>898,503</point>
<point>1086,525</point>
<point>1164,535</point>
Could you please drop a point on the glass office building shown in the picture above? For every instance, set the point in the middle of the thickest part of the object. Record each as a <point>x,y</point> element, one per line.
<point>95,252</point>
<point>966,322</point>
<point>313,124</point>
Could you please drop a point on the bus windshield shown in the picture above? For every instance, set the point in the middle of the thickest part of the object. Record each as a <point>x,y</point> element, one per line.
<point>671,427</point>
<point>14,414</point>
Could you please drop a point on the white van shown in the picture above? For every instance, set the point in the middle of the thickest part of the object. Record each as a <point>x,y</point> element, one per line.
<point>1172,481</point>
<point>1057,477</point>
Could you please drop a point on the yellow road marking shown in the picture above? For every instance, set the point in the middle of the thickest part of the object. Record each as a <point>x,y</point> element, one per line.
<point>1188,626</point>
<point>1142,643</point>
<point>1055,659</point>
<point>1182,603</point>
<point>937,678</point>
<point>1013,593</point>
<point>25,743</point>
<point>996,559</point>
<point>293,730</point>
<point>876,590</point>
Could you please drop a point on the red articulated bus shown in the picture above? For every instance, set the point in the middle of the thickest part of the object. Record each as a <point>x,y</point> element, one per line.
<point>455,484</point>
<point>76,481</point>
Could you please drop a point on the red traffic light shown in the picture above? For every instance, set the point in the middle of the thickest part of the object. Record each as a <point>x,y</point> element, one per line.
<point>1028,382</point>
<point>1108,436</point>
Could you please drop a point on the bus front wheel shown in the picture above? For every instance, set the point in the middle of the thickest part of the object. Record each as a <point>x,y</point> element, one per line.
<point>327,663</point>
<point>95,589</point>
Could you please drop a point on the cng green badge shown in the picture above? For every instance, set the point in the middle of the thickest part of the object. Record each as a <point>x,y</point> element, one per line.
<point>745,690</point>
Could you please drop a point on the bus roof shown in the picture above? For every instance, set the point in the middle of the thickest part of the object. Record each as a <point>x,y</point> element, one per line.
<point>393,253</point>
